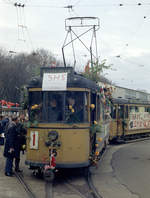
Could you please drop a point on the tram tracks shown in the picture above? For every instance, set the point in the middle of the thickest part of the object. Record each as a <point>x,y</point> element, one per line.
<point>24,184</point>
<point>80,186</point>
<point>75,182</point>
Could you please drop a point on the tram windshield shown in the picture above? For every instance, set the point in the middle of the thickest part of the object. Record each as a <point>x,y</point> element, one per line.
<point>54,107</point>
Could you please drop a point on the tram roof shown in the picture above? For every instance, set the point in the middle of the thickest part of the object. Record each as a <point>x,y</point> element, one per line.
<point>129,101</point>
<point>74,80</point>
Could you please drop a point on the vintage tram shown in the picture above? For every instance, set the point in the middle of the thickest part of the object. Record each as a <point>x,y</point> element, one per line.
<point>130,119</point>
<point>67,126</point>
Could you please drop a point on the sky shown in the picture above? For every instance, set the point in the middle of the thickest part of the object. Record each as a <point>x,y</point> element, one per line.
<point>122,39</point>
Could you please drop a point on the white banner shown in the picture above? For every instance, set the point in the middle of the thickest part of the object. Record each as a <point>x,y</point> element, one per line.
<point>54,82</point>
<point>139,120</point>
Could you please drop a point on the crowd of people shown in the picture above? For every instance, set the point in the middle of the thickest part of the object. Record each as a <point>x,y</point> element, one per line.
<point>13,134</point>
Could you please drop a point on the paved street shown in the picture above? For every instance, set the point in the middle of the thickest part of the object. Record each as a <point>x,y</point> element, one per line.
<point>124,171</point>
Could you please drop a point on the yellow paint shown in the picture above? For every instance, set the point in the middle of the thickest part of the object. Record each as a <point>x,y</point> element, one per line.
<point>75,146</point>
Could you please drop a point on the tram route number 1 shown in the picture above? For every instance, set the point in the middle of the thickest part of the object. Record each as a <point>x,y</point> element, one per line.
<point>34,138</point>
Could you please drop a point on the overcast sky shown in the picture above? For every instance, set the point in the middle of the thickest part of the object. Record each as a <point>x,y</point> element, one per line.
<point>123,38</point>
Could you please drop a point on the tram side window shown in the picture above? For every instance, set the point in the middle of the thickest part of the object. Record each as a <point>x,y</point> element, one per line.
<point>113,112</point>
<point>133,109</point>
<point>126,111</point>
<point>147,109</point>
<point>121,111</point>
<point>35,102</point>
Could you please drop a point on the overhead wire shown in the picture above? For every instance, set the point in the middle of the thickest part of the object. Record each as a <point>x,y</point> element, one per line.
<point>23,32</point>
<point>91,5</point>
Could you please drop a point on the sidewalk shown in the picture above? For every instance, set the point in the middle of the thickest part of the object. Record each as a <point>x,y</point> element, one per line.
<point>9,187</point>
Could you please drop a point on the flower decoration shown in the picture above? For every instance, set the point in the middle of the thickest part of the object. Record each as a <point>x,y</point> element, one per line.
<point>72,110</point>
<point>34,107</point>
<point>92,106</point>
<point>95,122</point>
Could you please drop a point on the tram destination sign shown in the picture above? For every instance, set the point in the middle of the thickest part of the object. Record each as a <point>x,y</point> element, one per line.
<point>54,82</point>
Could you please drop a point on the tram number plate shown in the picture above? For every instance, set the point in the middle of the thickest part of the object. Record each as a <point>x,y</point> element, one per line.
<point>34,140</point>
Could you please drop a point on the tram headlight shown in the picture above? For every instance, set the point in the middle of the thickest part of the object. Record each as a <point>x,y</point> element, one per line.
<point>53,135</point>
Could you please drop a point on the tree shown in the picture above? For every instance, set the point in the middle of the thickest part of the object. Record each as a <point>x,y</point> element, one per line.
<point>96,70</point>
<point>18,69</point>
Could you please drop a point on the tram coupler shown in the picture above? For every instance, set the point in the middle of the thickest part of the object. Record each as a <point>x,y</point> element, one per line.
<point>50,169</point>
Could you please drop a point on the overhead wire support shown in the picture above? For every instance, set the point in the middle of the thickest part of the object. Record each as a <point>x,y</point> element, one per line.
<point>19,5</point>
<point>91,24</point>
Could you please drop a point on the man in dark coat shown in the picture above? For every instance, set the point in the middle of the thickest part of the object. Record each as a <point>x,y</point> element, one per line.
<point>10,144</point>
<point>20,141</point>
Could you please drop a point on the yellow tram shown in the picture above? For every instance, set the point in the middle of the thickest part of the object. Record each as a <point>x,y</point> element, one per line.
<point>66,121</point>
<point>130,119</point>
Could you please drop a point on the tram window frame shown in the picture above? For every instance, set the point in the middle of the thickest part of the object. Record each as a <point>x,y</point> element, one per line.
<point>98,108</point>
<point>53,116</point>
<point>133,109</point>
<point>121,111</point>
<point>63,95</point>
<point>81,108</point>
<point>126,114</point>
<point>113,112</point>
<point>147,109</point>
<point>93,111</point>
<point>36,114</point>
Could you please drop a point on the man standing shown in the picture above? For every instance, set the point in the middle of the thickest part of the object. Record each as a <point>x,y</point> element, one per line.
<point>10,144</point>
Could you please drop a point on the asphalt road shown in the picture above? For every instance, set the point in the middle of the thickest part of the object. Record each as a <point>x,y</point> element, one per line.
<point>124,171</point>
<point>131,165</point>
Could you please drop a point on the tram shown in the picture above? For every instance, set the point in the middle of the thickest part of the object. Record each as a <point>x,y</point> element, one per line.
<point>130,119</point>
<point>67,123</point>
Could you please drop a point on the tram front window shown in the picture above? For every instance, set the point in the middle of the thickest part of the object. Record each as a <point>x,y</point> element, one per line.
<point>54,107</point>
<point>76,107</point>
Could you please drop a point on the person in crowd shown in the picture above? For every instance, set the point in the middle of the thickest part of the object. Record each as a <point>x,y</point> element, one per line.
<point>20,142</point>
<point>54,111</point>
<point>1,131</point>
<point>4,124</point>
<point>10,145</point>
<point>74,111</point>
<point>1,128</point>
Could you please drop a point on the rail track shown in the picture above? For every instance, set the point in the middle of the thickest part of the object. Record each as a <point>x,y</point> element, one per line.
<point>77,183</point>
<point>68,180</point>
<point>24,184</point>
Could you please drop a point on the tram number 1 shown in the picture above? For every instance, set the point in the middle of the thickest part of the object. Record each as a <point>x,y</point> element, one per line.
<point>34,139</point>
